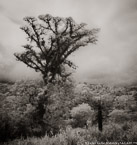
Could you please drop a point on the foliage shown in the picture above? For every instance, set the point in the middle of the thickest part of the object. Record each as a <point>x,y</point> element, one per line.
<point>94,94</point>
<point>119,116</point>
<point>21,106</point>
<point>17,110</point>
<point>111,133</point>
<point>61,96</point>
<point>81,114</point>
<point>31,110</point>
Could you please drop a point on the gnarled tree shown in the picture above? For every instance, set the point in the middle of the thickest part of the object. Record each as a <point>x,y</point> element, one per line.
<point>50,41</point>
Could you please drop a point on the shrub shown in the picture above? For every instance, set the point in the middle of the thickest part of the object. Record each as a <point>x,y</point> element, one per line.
<point>17,110</point>
<point>80,115</point>
<point>65,137</point>
<point>119,116</point>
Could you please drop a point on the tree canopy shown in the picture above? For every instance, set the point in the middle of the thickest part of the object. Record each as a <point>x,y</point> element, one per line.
<point>50,41</point>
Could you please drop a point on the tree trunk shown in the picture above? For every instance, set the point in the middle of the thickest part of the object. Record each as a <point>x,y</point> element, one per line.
<point>100,125</point>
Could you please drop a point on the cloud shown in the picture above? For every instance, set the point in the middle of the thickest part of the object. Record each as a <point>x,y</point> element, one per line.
<point>11,40</point>
<point>112,60</point>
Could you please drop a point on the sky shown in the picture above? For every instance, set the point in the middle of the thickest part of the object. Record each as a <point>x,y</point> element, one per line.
<point>112,60</point>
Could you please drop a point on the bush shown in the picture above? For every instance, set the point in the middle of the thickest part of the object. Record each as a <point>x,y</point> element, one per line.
<point>15,120</point>
<point>65,137</point>
<point>17,110</point>
<point>113,133</point>
<point>119,116</point>
<point>80,115</point>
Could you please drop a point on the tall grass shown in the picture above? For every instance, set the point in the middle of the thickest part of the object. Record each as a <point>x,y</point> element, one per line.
<point>126,132</point>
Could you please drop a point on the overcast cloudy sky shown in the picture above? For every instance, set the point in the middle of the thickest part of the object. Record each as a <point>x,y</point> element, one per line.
<point>112,60</point>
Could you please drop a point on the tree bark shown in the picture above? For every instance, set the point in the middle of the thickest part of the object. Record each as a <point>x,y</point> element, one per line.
<point>100,124</point>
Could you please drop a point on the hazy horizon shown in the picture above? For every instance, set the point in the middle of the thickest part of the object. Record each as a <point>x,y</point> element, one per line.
<point>112,60</point>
